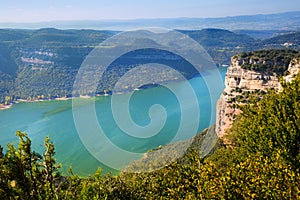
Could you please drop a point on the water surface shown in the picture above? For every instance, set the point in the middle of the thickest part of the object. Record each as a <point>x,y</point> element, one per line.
<point>55,119</point>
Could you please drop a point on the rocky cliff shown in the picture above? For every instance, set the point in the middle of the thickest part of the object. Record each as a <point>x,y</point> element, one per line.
<point>241,83</point>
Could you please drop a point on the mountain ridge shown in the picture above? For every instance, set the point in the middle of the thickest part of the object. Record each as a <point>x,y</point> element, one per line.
<point>253,22</point>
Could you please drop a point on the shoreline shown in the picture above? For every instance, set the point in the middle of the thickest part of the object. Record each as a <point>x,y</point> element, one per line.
<point>5,107</point>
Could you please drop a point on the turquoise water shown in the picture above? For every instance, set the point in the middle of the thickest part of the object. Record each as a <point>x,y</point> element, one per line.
<point>55,119</point>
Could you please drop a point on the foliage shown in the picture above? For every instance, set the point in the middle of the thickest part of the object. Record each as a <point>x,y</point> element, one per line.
<point>220,38</point>
<point>293,38</point>
<point>43,62</point>
<point>272,125</point>
<point>221,44</point>
<point>268,61</point>
<point>25,174</point>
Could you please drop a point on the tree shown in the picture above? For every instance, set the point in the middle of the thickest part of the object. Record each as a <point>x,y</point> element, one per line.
<point>26,174</point>
<point>7,100</point>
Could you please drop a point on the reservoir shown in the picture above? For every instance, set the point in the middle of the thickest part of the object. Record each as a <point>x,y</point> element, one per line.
<point>55,119</point>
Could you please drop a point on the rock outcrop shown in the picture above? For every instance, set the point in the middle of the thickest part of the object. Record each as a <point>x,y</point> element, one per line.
<point>241,82</point>
<point>293,70</point>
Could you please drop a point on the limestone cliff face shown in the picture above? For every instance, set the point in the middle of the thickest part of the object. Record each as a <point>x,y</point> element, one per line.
<point>240,81</point>
<point>294,69</point>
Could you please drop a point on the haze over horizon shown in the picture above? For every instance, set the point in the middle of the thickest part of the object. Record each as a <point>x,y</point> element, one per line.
<point>33,11</point>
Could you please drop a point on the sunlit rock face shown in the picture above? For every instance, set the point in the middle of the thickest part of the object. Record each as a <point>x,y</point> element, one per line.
<point>238,81</point>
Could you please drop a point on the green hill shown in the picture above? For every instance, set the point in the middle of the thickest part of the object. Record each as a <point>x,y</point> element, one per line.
<point>220,38</point>
<point>45,62</point>
<point>292,38</point>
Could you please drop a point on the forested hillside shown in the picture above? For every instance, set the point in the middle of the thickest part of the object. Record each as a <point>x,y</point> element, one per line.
<point>269,61</point>
<point>35,63</point>
<point>43,63</point>
<point>291,39</point>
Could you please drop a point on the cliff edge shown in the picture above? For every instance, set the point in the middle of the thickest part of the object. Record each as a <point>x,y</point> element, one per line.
<point>253,74</point>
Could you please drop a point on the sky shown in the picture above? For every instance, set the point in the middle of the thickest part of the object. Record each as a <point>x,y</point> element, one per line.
<point>61,10</point>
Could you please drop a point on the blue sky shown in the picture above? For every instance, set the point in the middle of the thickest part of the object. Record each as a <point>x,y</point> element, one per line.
<point>52,10</point>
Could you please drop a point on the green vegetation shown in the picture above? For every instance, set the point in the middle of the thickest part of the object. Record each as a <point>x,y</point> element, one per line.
<point>45,62</point>
<point>24,174</point>
<point>246,96</point>
<point>220,38</point>
<point>292,38</point>
<point>223,44</point>
<point>268,61</point>
<point>272,125</point>
<point>260,161</point>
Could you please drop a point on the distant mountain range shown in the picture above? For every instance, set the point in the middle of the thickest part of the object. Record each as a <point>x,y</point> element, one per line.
<point>279,21</point>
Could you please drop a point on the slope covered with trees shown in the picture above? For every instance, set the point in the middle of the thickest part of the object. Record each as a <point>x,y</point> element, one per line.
<point>292,38</point>
<point>44,62</point>
<point>268,61</point>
